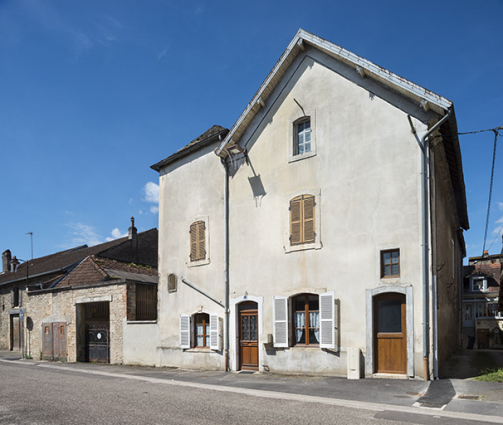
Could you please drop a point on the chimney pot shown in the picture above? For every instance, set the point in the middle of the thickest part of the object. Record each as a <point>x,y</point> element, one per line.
<point>6,259</point>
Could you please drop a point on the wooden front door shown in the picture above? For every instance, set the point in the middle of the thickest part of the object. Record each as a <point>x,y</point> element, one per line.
<point>390,334</point>
<point>15,332</point>
<point>248,336</point>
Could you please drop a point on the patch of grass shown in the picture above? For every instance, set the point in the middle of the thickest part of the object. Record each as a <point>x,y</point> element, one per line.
<point>490,375</point>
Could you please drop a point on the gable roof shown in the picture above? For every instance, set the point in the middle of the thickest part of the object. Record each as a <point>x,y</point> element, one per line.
<point>417,93</point>
<point>93,270</point>
<point>211,135</point>
<point>61,262</point>
<point>422,97</point>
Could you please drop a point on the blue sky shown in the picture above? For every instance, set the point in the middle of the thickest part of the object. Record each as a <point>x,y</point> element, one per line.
<point>94,92</point>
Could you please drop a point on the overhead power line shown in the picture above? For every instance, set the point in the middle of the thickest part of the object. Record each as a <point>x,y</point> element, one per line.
<point>496,130</point>
<point>496,134</point>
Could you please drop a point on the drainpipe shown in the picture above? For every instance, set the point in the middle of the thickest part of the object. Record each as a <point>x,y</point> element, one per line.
<point>226,263</point>
<point>424,219</point>
<point>435,323</point>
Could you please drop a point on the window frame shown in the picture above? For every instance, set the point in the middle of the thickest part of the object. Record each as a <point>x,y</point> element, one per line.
<point>301,134</point>
<point>293,125</point>
<point>206,332</point>
<point>478,279</point>
<point>382,268</point>
<point>307,325</point>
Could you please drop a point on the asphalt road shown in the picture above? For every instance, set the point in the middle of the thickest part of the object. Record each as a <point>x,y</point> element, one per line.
<point>31,394</point>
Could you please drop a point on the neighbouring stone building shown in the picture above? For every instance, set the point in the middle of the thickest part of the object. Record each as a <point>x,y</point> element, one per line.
<point>322,233</point>
<point>74,305</point>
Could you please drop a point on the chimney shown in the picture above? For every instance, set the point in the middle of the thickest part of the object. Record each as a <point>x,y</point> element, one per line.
<point>6,257</point>
<point>133,237</point>
<point>132,230</point>
<point>485,254</point>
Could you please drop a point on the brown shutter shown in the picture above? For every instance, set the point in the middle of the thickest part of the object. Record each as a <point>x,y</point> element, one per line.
<point>201,243</point>
<point>308,221</point>
<point>193,242</point>
<point>295,221</point>
<point>197,241</point>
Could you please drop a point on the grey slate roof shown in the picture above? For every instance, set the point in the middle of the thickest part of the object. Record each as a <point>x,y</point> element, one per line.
<point>212,135</point>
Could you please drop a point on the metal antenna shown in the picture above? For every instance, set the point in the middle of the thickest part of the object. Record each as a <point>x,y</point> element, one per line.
<point>31,237</point>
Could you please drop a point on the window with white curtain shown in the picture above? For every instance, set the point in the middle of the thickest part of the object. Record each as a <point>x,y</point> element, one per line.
<point>306,319</point>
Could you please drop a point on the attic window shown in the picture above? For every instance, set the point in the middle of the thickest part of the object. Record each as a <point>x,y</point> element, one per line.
<point>479,284</point>
<point>301,136</point>
<point>302,133</point>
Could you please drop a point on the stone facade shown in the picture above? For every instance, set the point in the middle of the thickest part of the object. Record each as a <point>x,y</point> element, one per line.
<point>63,306</point>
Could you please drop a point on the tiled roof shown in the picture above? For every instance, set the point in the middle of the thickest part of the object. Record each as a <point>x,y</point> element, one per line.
<point>95,269</point>
<point>107,264</point>
<point>147,250</point>
<point>61,262</point>
<point>85,273</point>
<point>209,136</point>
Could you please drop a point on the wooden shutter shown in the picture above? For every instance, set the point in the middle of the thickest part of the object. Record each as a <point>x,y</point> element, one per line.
<point>302,213</point>
<point>296,221</point>
<point>327,320</point>
<point>184,331</point>
<point>20,295</point>
<point>201,241</point>
<point>280,315</point>
<point>13,297</point>
<point>214,332</point>
<point>197,241</point>
<point>308,219</point>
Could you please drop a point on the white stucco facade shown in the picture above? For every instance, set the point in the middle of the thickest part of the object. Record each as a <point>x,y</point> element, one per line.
<point>364,172</point>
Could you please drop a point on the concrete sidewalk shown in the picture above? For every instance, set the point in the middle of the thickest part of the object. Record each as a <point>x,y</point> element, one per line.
<point>448,395</point>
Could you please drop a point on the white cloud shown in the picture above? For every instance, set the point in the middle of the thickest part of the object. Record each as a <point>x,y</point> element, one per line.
<point>154,209</point>
<point>116,234</point>
<point>500,220</point>
<point>500,206</point>
<point>82,234</point>
<point>162,53</point>
<point>151,192</point>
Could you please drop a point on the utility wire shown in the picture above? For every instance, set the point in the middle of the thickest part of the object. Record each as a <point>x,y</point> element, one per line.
<point>496,134</point>
<point>482,131</point>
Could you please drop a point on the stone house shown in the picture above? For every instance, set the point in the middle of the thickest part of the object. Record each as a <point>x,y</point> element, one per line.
<point>482,319</point>
<point>322,233</point>
<point>77,303</point>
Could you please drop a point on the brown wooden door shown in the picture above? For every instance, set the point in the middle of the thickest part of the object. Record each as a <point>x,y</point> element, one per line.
<point>248,336</point>
<point>15,333</point>
<point>390,333</point>
<point>47,342</point>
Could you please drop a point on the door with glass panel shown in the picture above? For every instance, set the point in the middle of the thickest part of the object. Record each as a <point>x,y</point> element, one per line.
<point>390,333</point>
<point>248,336</point>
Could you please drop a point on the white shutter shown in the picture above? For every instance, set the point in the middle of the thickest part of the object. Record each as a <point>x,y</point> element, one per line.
<point>184,331</point>
<point>327,320</point>
<point>280,316</point>
<point>214,332</point>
